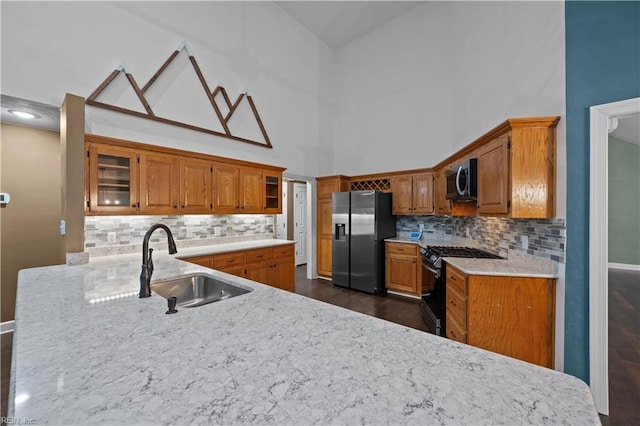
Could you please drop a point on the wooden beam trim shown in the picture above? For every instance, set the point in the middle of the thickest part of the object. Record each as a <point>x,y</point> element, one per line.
<point>104,85</point>
<point>160,71</point>
<point>209,95</point>
<point>140,95</point>
<point>233,107</point>
<point>173,123</point>
<point>255,113</point>
<point>225,95</point>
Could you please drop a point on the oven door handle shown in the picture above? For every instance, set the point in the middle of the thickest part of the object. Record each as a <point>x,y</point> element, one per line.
<point>437,273</point>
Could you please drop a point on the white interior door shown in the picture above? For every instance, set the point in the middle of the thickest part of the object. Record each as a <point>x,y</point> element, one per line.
<point>300,222</point>
<point>281,219</point>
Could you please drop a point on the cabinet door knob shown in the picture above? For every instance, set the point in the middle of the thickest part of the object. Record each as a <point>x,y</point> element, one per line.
<point>133,205</point>
<point>182,207</point>
<point>175,206</point>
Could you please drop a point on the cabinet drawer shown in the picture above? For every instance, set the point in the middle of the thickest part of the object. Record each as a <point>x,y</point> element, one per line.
<point>402,248</point>
<point>228,259</point>
<point>200,260</point>
<point>456,306</point>
<point>457,279</point>
<point>455,331</point>
<point>283,252</point>
<point>257,256</point>
<point>237,270</point>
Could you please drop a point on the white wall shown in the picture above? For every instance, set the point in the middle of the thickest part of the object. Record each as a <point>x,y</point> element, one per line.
<point>404,96</point>
<point>394,91</point>
<point>51,48</point>
<point>434,79</point>
<point>509,61</point>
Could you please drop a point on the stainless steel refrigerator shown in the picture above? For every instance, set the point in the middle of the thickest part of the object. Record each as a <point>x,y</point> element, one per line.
<point>361,221</point>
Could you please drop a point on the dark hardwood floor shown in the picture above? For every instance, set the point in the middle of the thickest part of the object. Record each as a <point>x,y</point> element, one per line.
<point>624,348</point>
<point>398,309</point>
<point>624,334</point>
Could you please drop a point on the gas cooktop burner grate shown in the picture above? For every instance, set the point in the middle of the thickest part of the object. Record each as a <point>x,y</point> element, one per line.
<point>448,251</point>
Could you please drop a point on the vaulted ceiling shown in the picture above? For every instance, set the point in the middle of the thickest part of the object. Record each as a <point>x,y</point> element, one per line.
<point>340,22</point>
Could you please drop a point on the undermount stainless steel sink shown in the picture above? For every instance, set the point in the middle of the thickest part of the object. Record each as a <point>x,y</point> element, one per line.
<point>197,289</point>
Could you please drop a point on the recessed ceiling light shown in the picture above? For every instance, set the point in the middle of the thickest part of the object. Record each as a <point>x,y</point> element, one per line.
<point>23,114</point>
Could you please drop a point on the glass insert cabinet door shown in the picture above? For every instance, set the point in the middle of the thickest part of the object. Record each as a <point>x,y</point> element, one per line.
<point>272,193</point>
<point>113,177</point>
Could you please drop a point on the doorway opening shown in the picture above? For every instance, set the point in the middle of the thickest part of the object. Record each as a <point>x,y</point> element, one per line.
<point>603,120</point>
<point>295,222</point>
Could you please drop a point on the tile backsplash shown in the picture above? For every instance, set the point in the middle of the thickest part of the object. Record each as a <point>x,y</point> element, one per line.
<point>546,237</point>
<point>106,231</point>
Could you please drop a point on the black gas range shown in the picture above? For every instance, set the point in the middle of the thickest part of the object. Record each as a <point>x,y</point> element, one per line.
<point>434,282</point>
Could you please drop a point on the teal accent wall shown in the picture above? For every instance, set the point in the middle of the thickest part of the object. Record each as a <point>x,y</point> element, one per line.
<point>602,44</point>
<point>624,202</point>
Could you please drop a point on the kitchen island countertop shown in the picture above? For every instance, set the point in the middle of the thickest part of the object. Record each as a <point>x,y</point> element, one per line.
<point>87,350</point>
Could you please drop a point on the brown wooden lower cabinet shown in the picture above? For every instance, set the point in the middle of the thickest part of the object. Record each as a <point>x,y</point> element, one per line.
<point>274,266</point>
<point>403,268</point>
<point>513,316</point>
<point>325,255</point>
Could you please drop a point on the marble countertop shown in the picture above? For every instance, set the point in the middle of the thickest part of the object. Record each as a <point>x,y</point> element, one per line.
<point>229,247</point>
<point>517,264</point>
<point>86,350</point>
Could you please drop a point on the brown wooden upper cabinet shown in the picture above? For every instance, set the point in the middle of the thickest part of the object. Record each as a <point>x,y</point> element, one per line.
<point>170,184</point>
<point>251,190</point>
<point>123,177</point>
<point>493,177</point>
<point>195,186</point>
<point>272,192</point>
<point>158,183</point>
<point>111,180</point>
<point>413,194</point>
<point>517,169</point>
<point>226,187</point>
<point>246,190</point>
<point>442,204</point>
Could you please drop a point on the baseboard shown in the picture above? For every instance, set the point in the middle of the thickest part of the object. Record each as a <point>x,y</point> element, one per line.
<point>6,327</point>
<point>624,266</point>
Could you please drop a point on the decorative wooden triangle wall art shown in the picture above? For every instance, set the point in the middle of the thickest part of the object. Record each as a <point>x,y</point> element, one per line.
<point>211,95</point>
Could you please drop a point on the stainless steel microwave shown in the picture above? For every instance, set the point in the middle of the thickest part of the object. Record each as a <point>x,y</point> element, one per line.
<point>462,181</point>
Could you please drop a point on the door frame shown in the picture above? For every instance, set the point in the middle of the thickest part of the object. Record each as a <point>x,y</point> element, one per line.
<point>602,123</point>
<point>301,185</point>
<point>311,221</point>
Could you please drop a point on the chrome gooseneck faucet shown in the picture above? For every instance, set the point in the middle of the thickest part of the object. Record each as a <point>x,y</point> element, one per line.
<point>147,261</point>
